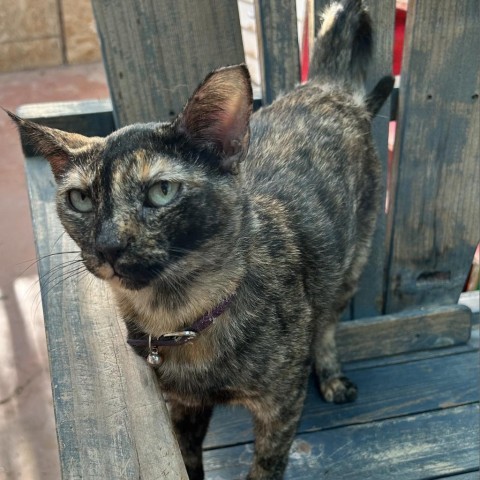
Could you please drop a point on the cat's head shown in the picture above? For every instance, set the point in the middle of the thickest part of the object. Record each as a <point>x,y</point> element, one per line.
<point>157,199</point>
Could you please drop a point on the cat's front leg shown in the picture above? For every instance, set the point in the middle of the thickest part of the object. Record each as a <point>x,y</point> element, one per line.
<point>190,425</point>
<point>275,426</point>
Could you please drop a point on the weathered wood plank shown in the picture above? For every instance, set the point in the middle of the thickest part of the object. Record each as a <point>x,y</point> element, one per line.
<point>384,392</point>
<point>412,330</point>
<point>475,475</point>
<point>111,419</point>
<point>435,223</point>
<point>397,390</point>
<point>156,53</point>
<point>278,46</point>
<point>408,448</point>
<point>472,345</point>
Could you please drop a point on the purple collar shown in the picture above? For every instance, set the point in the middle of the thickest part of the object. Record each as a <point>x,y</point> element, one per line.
<point>188,334</point>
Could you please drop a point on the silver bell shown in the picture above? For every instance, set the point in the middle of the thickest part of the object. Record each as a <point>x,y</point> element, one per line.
<point>154,359</point>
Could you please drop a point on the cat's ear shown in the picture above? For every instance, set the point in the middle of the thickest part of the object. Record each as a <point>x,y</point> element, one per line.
<point>217,116</point>
<point>57,146</point>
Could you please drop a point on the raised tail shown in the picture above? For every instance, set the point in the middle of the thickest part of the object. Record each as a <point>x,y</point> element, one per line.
<point>343,46</point>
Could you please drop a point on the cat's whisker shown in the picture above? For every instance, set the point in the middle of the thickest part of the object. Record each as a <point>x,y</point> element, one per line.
<point>47,285</point>
<point>59,237</point>
<point>46,276</point>
<point>53,271</point>
<point>43,257</point>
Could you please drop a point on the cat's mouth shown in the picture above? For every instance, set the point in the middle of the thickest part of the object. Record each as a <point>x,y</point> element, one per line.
<point>130,274</point>
<point>130,277</point>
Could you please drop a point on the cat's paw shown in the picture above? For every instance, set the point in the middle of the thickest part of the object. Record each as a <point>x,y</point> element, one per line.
<point>338,390</point>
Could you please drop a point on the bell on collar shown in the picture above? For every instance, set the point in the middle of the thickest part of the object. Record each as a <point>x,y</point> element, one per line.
<point>154,359</point>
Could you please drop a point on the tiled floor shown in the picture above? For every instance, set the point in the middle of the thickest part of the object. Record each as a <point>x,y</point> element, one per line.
<point>28,445</point>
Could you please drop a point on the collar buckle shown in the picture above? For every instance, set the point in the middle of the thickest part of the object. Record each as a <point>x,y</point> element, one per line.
<point>182,336</point>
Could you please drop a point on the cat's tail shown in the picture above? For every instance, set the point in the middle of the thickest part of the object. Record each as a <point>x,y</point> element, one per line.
<point>343,47</point>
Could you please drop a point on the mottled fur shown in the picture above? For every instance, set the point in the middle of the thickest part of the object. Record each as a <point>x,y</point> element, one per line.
<point>288,232</point>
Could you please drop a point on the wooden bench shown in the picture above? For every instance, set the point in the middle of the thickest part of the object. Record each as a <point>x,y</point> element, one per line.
<point>407,342</point>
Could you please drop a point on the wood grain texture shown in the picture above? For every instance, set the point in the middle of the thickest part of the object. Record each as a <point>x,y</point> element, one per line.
<point>408,331</point>
<point>156,53</point>
<point>418,447</point>
<point>111,419</point>
<point>435,223</point>
<point>384,392</point>
<point>278,47</point>
<point>475,475</point>
<point>472,345</point>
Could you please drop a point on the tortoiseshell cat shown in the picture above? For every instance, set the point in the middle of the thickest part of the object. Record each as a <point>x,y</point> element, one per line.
<point>270,215</point>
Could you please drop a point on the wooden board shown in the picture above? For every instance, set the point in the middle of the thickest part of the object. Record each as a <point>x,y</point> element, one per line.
<point>472,345</point>
<point>417,329</point>
<point>384,392</point>
<point>278,47</point>
<point>416,447</point>
<point>475,475</point>
<point>110,416</point>
<point>156,53</point>
<point>435,223</point>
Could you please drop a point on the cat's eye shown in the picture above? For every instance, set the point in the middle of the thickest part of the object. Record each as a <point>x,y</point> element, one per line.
<point>80,201</point>
<point>162,193</point>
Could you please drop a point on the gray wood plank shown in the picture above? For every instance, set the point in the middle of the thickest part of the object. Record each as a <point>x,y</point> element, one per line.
<point>415,447</point>
<point>278,46</point>
<point>111,418</point>
<point>471,346</point>
<point>156,53</point>
<point>384,392</point>
<point>413,330</point>
<point>435,223</point>
<point>475,475</point>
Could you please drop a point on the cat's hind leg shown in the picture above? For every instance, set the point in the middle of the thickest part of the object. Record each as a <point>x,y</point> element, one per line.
<point>334,385</point>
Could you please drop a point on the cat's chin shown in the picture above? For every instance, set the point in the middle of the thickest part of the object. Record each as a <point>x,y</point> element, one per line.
<point>124,283</point>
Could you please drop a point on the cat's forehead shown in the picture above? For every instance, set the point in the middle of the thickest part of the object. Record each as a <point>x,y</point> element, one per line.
<point>132,155</point>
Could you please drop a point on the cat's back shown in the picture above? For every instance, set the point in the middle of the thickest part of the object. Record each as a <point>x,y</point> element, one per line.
<point>314,142</point>
<point>311,156</point>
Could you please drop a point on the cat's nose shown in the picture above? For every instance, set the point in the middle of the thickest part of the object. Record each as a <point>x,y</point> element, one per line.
<point>109,244</point>
<point>110,251</point>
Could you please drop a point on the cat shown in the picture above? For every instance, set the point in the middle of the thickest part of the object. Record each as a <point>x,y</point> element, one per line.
<point>264,220</point>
